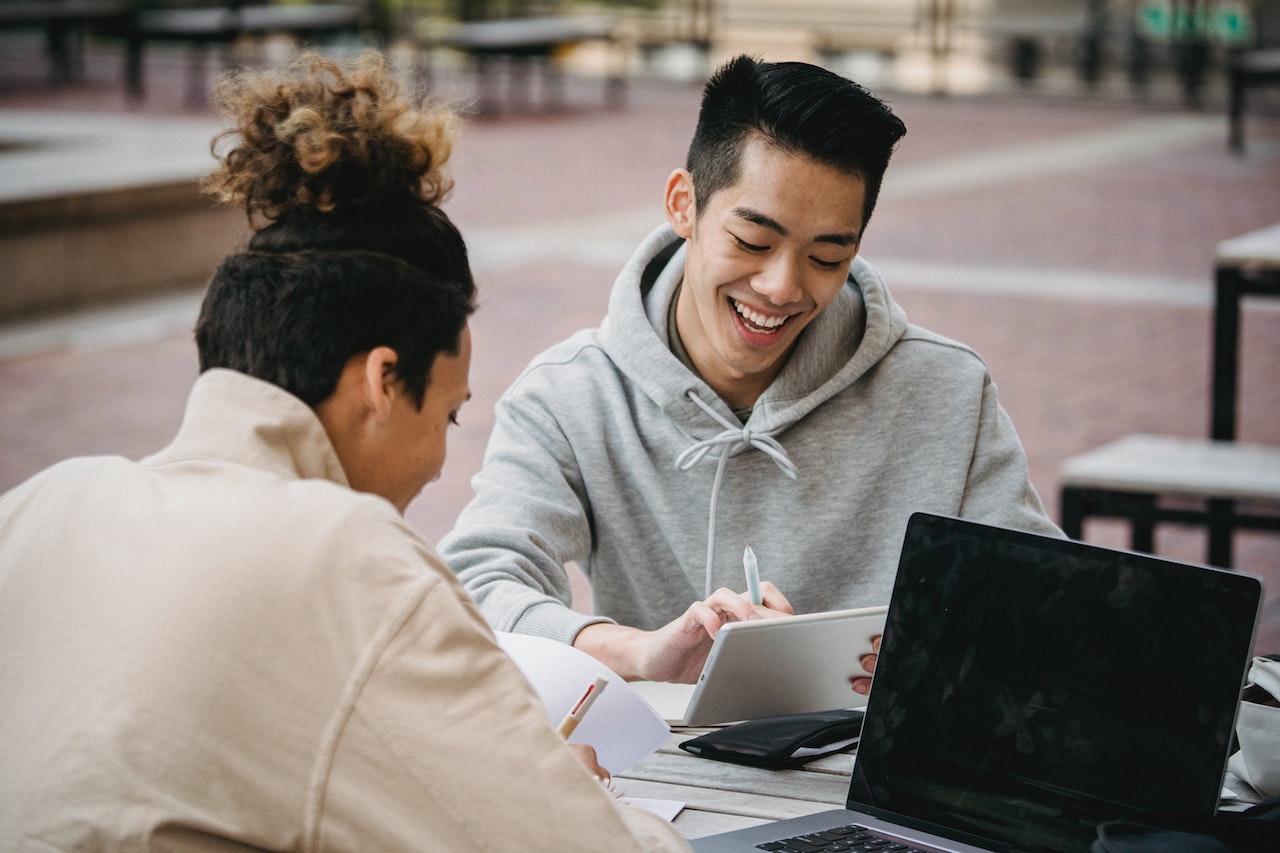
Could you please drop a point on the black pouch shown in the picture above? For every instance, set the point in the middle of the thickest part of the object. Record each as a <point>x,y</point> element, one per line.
<point>778,743</point>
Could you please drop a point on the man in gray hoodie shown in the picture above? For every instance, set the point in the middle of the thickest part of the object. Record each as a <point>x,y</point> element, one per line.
<point>753,383</point>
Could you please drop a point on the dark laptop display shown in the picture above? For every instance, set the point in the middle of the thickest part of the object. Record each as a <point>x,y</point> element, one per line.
<point>1029,688</point>
<point>1038,688</point>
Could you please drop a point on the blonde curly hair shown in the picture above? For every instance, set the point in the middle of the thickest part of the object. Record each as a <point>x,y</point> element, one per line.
<point>325,135</point>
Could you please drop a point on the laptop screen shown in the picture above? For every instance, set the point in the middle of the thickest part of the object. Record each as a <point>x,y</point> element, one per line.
<point>1029,688</point>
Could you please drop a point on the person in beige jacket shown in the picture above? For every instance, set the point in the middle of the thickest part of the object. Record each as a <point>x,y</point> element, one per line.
<point>238,643</point>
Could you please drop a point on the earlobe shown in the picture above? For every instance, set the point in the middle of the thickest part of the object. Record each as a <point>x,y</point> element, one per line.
<point>680,203</point>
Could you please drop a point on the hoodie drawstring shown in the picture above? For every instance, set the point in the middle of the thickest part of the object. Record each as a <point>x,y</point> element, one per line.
<point>735,436</point>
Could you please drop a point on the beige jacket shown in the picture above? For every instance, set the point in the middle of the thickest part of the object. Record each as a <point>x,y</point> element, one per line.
<point>224,647</point>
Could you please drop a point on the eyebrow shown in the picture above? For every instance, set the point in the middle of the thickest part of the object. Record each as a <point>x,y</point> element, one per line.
<point>752,215</point>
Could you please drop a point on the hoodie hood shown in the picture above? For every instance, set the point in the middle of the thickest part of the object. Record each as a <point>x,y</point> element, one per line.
<point>851,336</point>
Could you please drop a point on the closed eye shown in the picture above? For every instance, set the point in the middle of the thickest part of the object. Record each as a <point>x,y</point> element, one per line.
<point>827,265</point>
<point>743,244</point>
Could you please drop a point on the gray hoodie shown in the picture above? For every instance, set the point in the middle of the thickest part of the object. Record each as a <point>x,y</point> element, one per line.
<point>609,453</point>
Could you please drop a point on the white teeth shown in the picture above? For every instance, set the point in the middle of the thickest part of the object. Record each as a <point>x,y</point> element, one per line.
<point>758,320</point>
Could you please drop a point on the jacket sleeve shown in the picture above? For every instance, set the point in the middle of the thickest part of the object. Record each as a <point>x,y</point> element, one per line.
<point>998,489</point>
<point>446,747</point>
<point>529,518</point>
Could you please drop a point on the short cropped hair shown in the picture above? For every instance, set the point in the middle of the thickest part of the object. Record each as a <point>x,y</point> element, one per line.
<point>296,319</point>
<point>800,109</point>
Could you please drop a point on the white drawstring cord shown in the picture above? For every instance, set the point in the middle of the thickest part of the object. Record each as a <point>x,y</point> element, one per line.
<point>733,437</point>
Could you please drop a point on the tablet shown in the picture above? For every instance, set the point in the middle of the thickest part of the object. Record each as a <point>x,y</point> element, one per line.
<point>767,667</point>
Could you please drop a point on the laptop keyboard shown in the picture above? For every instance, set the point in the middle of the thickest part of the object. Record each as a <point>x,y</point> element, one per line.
<point>851,837</point>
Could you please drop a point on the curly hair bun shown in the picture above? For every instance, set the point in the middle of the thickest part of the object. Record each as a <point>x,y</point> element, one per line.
<point>324,135</point>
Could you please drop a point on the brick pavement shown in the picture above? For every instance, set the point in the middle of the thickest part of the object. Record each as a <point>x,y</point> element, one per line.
<point>1076,264</point>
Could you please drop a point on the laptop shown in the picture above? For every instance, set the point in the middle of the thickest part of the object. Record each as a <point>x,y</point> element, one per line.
<point>768,667</point>
<point>1029,688</point>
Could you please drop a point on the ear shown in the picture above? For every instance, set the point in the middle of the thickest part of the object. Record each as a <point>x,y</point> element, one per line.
<point>680,204</point>
<point>378,382</point>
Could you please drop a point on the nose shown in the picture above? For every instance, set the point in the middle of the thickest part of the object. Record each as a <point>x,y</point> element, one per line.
<point>780,281</point>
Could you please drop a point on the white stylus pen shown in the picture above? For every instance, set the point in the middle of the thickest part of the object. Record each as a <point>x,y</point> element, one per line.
<point>753,575</point>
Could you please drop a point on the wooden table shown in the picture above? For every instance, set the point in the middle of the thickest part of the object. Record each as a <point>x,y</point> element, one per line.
<point>720,797</point>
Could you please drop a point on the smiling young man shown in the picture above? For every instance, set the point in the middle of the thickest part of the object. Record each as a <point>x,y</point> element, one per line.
<point>752,383</point>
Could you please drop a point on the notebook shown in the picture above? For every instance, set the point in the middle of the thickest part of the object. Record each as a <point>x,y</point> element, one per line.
<point>770,667</point>
<point>1029,688</point>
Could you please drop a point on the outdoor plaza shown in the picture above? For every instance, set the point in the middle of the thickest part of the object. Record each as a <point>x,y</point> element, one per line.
<point>1109,246</point>
<point>1066,231</point>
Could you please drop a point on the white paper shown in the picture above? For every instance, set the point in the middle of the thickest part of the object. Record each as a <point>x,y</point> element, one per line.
<point>668,699</point>
<point>620,725</point>
<point>665,809</point>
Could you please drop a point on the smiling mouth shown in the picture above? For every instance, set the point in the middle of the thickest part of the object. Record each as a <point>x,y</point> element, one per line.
<point>756,321</point>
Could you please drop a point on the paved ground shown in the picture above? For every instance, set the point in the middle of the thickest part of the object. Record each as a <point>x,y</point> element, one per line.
<point>1069,240</point>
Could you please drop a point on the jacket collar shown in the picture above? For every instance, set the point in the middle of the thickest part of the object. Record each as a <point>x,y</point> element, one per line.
<point>236,418</point>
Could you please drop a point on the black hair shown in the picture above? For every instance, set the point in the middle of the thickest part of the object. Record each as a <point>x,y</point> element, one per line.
<point>295,319</point>
<point>800,109</point>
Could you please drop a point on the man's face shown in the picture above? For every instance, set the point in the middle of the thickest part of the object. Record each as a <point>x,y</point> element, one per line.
<point>418,439</point>
<point>765,257</point>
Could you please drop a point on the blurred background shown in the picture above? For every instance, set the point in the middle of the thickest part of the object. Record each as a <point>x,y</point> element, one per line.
<point>1144,48</point>
<point>1071,171</point>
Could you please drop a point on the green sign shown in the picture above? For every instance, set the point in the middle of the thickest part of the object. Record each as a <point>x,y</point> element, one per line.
<point>1225,22</point>
<point>1230,23</point>
<point>1155,19</point>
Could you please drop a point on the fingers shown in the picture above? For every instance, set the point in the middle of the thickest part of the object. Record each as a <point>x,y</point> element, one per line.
<point>702,615</point>
<point>862,686</point>
<point>868,662</point>
<point>677,651</point>
<point>725,605</point>
<point>774,599</point>
<point>586,756</point>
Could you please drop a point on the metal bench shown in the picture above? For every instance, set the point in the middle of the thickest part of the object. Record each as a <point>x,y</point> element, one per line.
<point>1145,478</point>
<point>1246,70</point>
<point>64,23</point>
<point>203,26</point>
<point>529,42</point>
<point>1151,479</point>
